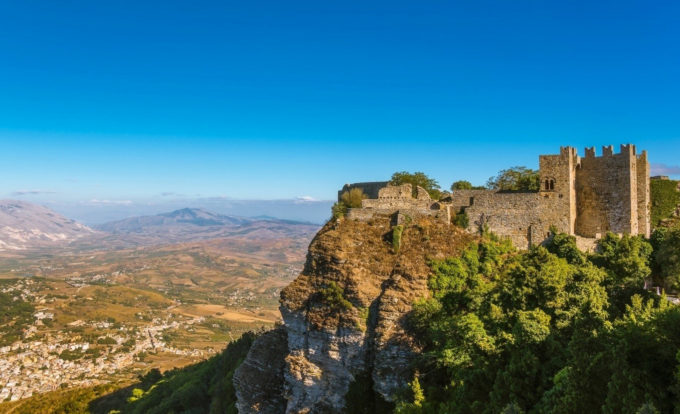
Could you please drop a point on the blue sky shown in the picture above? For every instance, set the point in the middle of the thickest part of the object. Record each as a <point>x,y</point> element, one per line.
<point>126,102</point>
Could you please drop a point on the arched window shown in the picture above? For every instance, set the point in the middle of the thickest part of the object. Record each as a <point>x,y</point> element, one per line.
<point>547,185</point>
<point>552,185</point>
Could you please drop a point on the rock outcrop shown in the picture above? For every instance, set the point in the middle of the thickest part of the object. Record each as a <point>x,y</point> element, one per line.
<point>258,381</point>
<point>345,315</point>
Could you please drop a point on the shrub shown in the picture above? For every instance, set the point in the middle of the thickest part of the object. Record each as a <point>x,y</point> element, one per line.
<point>333,296</point>
<point>107,340</point>
<point>339,209</point>
<point>461,220</point>
<point>396,237</point>
<point>353,197</point>
<point>348,199</point>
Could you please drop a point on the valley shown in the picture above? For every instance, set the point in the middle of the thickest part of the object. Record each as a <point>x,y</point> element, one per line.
<point>78,316</point>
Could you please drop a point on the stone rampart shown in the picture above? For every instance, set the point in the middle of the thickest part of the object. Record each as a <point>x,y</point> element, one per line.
<point>509,215</point>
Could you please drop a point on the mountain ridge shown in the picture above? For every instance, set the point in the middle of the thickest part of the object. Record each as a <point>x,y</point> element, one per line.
<point>26,226</point>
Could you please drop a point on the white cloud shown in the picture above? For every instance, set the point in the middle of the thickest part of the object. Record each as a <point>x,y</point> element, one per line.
<point>306,199</point>
<point>111,202</point>
<point>31,192</point>
<point>663,169</point>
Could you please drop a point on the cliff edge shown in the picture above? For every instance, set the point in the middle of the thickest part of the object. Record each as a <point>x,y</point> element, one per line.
<point>345,316</point>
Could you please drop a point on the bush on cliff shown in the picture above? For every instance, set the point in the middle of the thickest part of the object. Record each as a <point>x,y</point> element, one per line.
<point>333,296</point>
<point>348,199</point>
<point>549,330</point>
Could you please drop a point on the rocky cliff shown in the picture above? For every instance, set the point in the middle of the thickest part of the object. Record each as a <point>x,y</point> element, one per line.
<point>345,317</point>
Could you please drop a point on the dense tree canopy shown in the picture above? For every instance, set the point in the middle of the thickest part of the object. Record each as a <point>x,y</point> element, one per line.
<point>515,179</point>
<point>549,330</point>
<point>666,257</point>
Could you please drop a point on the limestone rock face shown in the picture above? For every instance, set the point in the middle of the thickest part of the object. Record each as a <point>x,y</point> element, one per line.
<point>258,381</point>
<point>345,315</point>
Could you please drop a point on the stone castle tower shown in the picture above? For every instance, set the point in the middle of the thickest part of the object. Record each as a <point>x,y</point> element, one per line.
<point>581,196</point>
<point>593,195</point>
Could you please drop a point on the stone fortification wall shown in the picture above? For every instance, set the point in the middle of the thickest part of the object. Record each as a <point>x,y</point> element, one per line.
<point>394,197</point>
<point>511,215</point>
<point>606,192</point>
<point>371,189</point>
<point>465,198</point>
<point>400,199</point>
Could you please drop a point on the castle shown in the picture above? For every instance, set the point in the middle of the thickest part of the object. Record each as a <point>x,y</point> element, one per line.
<point>581,196</point>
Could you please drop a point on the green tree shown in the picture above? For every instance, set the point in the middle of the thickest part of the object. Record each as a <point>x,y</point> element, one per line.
<point>515,179</point>
<point>417,179</point>
<point>461,185</point>
<point>666,257</point>
<point>626,259</point>
<point>465,185</point>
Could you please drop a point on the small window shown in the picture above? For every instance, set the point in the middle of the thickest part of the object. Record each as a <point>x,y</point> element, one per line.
<point>552,185</point>
<point>547,185</point>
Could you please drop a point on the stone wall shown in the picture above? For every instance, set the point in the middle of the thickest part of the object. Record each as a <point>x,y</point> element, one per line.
<point>394,197</point>
<point>606,192</point>
<point>510,215</point>
<point>399,199</point>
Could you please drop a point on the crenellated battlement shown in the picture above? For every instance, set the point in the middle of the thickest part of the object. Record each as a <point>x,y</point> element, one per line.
<point>608,151</point>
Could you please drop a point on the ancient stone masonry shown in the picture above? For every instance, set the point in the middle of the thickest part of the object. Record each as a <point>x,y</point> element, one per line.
<point>581,196</point>
<point>399,201</point>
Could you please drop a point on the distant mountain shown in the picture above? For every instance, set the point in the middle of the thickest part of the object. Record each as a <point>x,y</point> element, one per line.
<point>192,224</point>
<point>28,226</point>
<point>186,218</point>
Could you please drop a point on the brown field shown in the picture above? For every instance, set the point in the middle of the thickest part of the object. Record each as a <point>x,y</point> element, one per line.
<point>232,285</point>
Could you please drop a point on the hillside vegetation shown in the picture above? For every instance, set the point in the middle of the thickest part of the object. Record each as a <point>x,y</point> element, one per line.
<point>665,199</point>
<point>550,330</point>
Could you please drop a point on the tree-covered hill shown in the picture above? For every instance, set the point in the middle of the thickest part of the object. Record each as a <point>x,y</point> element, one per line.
<point>550,330</point>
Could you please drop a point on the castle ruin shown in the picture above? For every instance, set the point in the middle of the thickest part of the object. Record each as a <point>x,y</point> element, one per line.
<point>582,196</point>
